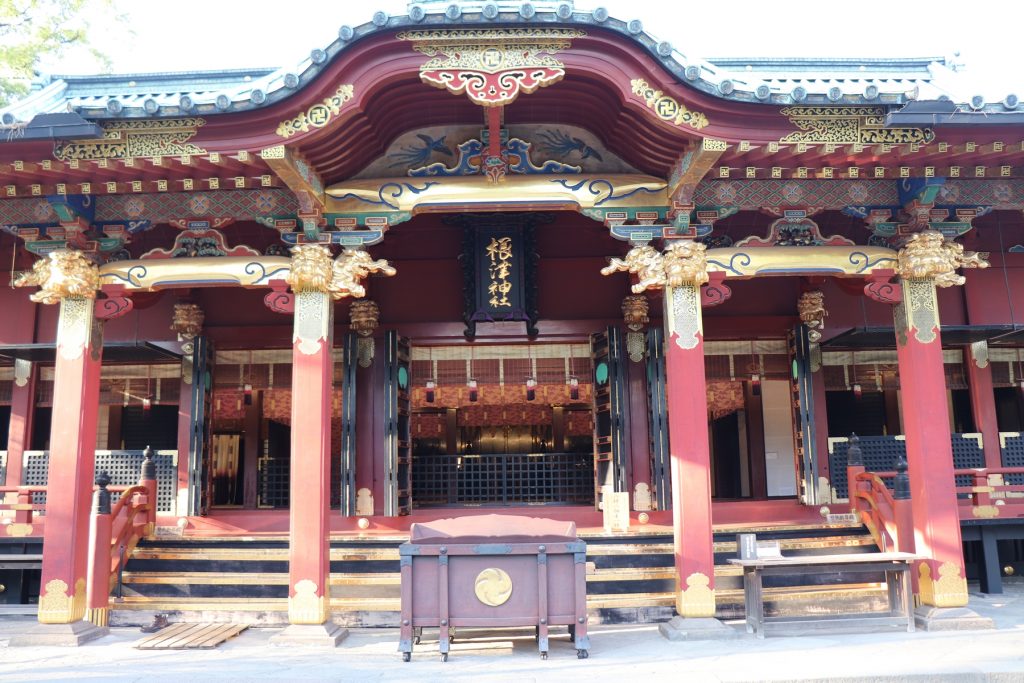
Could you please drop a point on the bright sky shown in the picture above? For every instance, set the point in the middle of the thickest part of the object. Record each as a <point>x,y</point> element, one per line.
<point>222,34</point>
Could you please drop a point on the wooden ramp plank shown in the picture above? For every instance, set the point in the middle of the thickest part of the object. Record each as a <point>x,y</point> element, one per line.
<point>190,636</point>
<point>161,635</point>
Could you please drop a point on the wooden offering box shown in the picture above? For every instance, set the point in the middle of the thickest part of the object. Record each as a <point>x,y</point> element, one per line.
<point>494,571</point>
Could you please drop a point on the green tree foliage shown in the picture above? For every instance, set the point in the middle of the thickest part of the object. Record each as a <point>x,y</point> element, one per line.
<point>34,31</point>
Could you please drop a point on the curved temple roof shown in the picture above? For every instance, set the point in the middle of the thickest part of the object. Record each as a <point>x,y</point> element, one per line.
<point>767,81</point>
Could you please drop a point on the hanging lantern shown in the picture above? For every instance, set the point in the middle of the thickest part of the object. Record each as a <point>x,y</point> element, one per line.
<point>858,390</point>
<point>474,392</point>
<point>531,388</point>
<point>755,385</point>
<point>364,318</point>
<point>431,386</point>
<point>635,310</point>
<point>574,388</point>
<point>247,394</point>
<point>147,403</point>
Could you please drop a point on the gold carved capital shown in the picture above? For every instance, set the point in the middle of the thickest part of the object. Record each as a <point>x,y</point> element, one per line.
<point>305,606</point>
<point>686,263</point>
<point>57,607</point>
<point>929,255</point>
<point>948,590</point>
<point>61,274</point>
<point>697,599</point>
<point>312,268</point>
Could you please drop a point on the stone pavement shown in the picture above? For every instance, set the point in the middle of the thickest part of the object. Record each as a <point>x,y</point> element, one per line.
<point>623,653</point>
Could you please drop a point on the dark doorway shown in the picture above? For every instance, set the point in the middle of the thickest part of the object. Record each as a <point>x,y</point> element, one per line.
<point>725,439</point>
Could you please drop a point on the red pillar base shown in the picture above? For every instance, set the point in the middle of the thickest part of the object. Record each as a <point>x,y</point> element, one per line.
<point>59,635</point>
<point>310,635</point>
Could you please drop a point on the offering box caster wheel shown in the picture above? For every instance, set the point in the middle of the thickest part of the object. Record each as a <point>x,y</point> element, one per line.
<point>406,656</point>
<point>582,654</point>
<point>444,656</point>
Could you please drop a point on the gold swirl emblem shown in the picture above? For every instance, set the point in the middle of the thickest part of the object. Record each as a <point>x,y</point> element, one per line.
<point>493,587</point>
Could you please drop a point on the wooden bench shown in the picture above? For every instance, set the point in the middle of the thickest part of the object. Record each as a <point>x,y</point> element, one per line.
<point>895,566</point>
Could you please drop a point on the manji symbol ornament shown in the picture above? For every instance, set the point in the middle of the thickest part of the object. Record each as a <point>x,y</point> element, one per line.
<point>318,115</point>
<point>668,108</point>
<point>491,66</point>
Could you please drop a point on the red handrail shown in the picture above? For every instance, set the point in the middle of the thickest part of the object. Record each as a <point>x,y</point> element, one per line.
<point>879,510</point>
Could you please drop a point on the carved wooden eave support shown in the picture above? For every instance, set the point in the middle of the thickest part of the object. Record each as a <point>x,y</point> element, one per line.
<point>304,181</point>
<point>811,308</point>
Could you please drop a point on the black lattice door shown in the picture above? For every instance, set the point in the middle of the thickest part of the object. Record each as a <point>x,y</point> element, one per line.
<point>657,419</point>
<point>398,450</point>
<point>348,425</point>
<point>610,454</point>
<point>802,393</point>
<point>200,479</point>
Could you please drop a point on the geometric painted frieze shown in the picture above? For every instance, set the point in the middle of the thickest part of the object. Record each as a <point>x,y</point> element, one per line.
<point>242,205</point>
<point>828,194</point>
<point>491,66</point>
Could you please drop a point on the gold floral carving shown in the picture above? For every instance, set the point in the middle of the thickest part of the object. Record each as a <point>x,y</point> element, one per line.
<point>929,255</point>
<point>19,529</point>
<point>187,321</point>
<point>985,511</point>
<point>364,317</point>
<point>683,315</point>
<point>318,115</point>
<point>61,274</point>
<point>152,138</point>
<point>314,318</point>
<point>76,327</point>
<point>670,109</point>
<point>698,598</point>
<point>98,616</point>
<point>918,312</point>
<point>57,607</point>
<point>949,590</point>
<point>848,126</point>
<point>492,66</point>
<point>493,587</point>
<point>305,606</point>
<point>635,309</point>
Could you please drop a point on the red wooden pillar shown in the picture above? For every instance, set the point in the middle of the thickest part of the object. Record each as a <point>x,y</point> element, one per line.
<point>686,394</point>
<point>310,475</point>
<point>312,377</point>
<point>941,577</point>
<point>23,399</point>
<point>983,401</point>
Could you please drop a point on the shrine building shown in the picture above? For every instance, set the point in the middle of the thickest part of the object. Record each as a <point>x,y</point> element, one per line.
<point>505,257</point>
